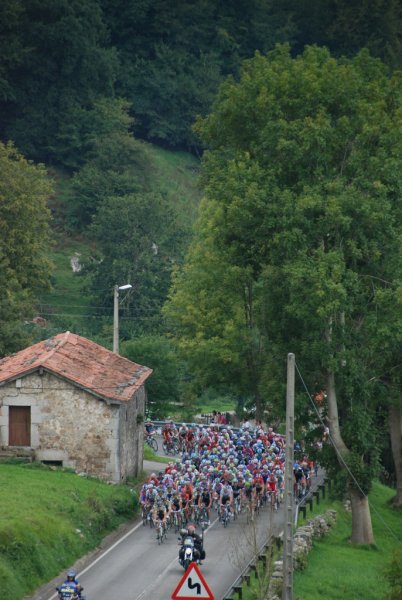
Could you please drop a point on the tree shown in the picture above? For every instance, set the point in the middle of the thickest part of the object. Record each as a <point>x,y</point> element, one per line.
<point>174,55</point>
<point>317,144</point>
<point>113,160</point>
<point>24,242</point>
<point>213,313</point>
<point>62,65</point>
<point>158,353</point>
<point>136,244</point>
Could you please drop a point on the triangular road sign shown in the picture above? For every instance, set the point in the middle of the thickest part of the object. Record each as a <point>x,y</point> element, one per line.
<point>192,585</point>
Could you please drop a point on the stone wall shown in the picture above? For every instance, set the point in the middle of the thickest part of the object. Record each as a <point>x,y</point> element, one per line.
<point>75,427</point>
<point>302,544</point>
<point>131,433</point>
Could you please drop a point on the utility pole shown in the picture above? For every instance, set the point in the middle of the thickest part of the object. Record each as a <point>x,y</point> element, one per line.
<point>116,320</point>
<point>116,315</point>
<point>287,589</point>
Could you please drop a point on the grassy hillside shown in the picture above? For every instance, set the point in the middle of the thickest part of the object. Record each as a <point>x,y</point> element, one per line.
<point>66,305</point>
<point>336,569</point>
<point>50,518</point>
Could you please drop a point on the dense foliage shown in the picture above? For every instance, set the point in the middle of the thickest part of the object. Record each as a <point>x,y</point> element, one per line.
<point>303,186</point>
<point>81,82</point>
<point>166,58</point>
<point>24,243</point>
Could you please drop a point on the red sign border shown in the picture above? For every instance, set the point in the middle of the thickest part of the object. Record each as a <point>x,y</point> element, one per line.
<point>193,566</point>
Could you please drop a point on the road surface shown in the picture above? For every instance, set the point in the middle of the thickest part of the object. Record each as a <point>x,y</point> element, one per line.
<point>134,567</point>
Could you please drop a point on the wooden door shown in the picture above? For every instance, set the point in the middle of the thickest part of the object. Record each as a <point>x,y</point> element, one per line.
<point>19,431</point>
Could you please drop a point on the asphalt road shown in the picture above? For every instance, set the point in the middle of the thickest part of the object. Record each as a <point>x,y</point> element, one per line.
<point>133,567</point>
<point>136,568</point>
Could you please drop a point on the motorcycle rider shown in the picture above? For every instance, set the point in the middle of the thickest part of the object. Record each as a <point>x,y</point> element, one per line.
<point>199,552</point>
<point>71,583</point>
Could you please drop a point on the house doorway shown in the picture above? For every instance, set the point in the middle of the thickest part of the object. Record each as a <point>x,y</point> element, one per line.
<point>19,430</point>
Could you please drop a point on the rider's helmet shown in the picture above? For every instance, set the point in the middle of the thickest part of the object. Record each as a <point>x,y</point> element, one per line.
<point>71,574</point>
<point>191,529</point>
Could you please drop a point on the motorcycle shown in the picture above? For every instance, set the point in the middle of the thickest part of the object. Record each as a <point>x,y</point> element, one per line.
<point>186,553</point>
<point>69,592</point>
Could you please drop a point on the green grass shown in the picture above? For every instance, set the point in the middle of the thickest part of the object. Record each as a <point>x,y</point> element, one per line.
<point>336,569</point>
<point>67,296</point>
<point>176,175</point>
<point>149,454</point>
<point>48,519</point>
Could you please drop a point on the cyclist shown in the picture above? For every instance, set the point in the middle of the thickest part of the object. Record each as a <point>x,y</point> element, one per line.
<point>183,429</point>
<point>205,499</point>
<point>272,488</point>
<point>160,514</point>
<point>226,497</point>
<point>258,482</point>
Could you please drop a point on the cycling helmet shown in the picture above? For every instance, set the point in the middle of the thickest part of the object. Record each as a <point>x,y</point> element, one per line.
<point>72,573</point>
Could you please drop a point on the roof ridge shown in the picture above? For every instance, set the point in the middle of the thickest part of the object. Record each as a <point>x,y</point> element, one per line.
<point>56,348</point>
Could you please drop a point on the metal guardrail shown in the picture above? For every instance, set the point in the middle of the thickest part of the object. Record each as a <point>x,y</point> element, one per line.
<point>160,424</point>
<point>236,587</point>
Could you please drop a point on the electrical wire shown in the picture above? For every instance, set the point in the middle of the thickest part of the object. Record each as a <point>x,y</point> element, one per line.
<point>342,460</point>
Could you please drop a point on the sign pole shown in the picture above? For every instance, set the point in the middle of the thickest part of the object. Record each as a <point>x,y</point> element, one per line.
<point>287,589</point>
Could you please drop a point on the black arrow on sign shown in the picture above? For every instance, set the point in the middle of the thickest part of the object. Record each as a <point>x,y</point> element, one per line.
<point>192,585</point>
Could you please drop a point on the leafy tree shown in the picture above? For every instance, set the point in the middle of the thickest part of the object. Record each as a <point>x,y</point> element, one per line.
<point>158,353</point>
<point>303,188</point>
<point>62,64</point>
<point>136,244</point>
<point>346,26</point>
<point>214,314</point>
<point>173,56</point>
<point>11,46</point>
<point>114,163</point>
<point>24,242</point>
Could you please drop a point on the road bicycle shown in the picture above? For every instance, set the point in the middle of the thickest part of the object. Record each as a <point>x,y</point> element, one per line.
<point>237,506</point>
<point>171,447</point>
<point>152,442</point>
<point>176,520</point>
<point>225,515</point>
<point>160,532</point>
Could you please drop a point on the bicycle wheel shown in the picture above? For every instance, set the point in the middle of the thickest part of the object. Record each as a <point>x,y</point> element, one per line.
<point>154,444</point>
<point>144,517</point>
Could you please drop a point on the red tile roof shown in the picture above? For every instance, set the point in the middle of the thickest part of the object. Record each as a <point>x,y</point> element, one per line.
<point>80,361</point>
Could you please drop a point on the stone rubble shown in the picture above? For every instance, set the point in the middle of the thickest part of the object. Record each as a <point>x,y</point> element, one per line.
<point>302,544</point>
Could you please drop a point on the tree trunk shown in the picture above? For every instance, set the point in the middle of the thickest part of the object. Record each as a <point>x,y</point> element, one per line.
<point>362,530</point>
<point>395,428</point>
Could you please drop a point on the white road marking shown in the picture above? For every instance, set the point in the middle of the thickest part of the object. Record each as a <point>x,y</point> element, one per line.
<point>104,554</point>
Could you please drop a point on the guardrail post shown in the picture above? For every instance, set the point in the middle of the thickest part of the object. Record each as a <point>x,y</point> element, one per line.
<point>303,510</point>
<point>317,497</point>
<point>322,488</point>
<point>310,501</point>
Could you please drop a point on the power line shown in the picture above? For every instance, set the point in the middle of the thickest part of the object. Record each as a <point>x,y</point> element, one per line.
<point>342,460</point>
<point>92,316</point>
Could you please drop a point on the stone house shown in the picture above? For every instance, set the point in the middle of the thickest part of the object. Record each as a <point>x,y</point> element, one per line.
<point>70,402</point>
